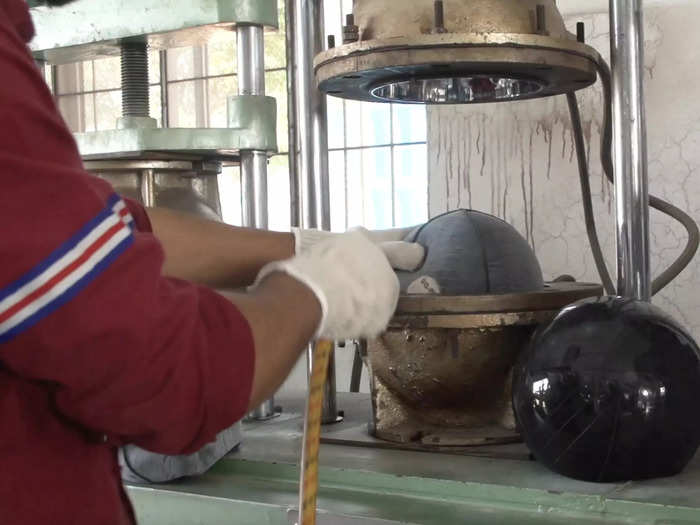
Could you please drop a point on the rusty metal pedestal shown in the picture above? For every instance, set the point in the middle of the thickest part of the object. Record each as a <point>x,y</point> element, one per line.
<point>441,375</point>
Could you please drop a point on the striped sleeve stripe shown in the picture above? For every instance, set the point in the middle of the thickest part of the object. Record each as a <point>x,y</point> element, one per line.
<point>66,271</point>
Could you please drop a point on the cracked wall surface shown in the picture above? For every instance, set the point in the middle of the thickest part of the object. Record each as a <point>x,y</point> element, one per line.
<point>517,160</point>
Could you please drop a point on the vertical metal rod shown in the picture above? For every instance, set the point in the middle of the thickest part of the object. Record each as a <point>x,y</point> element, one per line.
<point>311,115</point>
<point>254,189</point>
<point>251,60</point>
<point>164,95</point>
<point>148,188</point>
<point>311,120</point>
<point>54,81</point>
<point>293,132</point>
<point>630,149</point>
<point>251,81</point>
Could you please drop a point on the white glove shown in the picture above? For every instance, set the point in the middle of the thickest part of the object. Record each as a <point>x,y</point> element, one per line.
<point>353,281</point>
<point>407,256</point>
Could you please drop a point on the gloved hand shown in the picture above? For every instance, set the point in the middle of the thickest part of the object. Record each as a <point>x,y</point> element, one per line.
<point>407,256</point>
<point>352,280</point>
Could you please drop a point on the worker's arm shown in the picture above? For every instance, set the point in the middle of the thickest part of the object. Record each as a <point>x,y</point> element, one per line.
<point>223,256</point>
<point>86,312</point>
<point>215,254</point>
<point>283,315</point>
<point>125,352</point>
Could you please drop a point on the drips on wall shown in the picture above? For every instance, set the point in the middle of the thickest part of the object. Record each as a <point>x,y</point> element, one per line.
<point>517,160</point>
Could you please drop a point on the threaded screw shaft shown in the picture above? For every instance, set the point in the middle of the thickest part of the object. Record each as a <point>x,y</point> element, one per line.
<point>135,96</point>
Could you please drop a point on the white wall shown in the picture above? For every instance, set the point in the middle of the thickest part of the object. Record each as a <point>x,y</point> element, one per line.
<point>516,160</point>
<point>577,7</point>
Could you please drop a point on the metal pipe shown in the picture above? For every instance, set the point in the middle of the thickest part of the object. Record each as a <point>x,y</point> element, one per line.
<point>148,188</point>
<point>293,135</point>
<point>311,113</point>
<point>254,189</point>
<point>251,81</point>
<point>164,95</point>
<point>251,60</point>
<point>263,412</point>
<point>356,375</point>
<point>630,149</point>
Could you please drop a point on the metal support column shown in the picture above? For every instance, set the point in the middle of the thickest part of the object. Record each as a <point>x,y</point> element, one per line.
<point>292,131</point>
<point>630,149</point>
<point>251,81</point>
<point>311,122</point>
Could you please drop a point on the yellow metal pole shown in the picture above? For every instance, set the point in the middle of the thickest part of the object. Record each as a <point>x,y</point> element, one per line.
<point>308,489</point>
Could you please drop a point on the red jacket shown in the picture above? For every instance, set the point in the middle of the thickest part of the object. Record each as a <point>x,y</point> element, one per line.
<point>97,348</point>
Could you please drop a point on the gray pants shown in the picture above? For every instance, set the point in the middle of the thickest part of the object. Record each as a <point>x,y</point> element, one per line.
<point>140,466</point>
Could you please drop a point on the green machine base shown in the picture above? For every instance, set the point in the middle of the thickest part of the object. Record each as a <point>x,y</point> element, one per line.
<point>365,484</point>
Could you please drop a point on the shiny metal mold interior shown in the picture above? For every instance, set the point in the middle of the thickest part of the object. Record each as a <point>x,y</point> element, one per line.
<point>455,51</point>
<point>184,184</point>
<point>440,376</point>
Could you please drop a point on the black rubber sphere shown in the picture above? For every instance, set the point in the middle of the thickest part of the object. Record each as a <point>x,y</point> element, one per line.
<point>610,391</point>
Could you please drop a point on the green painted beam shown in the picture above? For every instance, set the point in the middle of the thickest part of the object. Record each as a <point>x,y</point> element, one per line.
<point>252,126</point>
<point>88,29</point>
<point>238,491</point>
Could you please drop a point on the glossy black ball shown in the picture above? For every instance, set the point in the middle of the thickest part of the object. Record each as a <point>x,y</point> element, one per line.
<point>610,391</point>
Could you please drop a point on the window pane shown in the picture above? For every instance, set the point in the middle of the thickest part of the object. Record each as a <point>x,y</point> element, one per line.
<point>376,177</point>
<point>185,62</point>
<point>221,55</point>
<point>367,123</point>
<point>74,78</point>
<point>336,169</point>
<point>230,195</point>
<point>347,6</point>
<point>410,123</point>
<point>336,135</point>
<point>187,104</point>
<point>353,123</point>
<point>369,188</point>
<point>410,185</point>
<point>376,124</point>
<point>108,108</point>
<point>275,50</point>
<point>276,86</point>
<point>88,75</point>
<point>355,197</point>
<point>155,110</point>
<point>219,91</point>
<point>279,216</point>
<point>78,111</point>
<point>108,73</point>
<point>333,16</point>
<point>153,66</point>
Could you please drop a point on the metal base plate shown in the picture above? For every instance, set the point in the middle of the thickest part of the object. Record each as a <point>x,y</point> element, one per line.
<point>353,71</point>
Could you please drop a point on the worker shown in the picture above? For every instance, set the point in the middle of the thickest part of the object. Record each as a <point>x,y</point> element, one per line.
<point>111,332</point>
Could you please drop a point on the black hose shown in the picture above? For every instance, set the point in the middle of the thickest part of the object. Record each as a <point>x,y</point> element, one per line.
<point>584,176</point>
<point>688,252</point>
<point>691,248</point>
